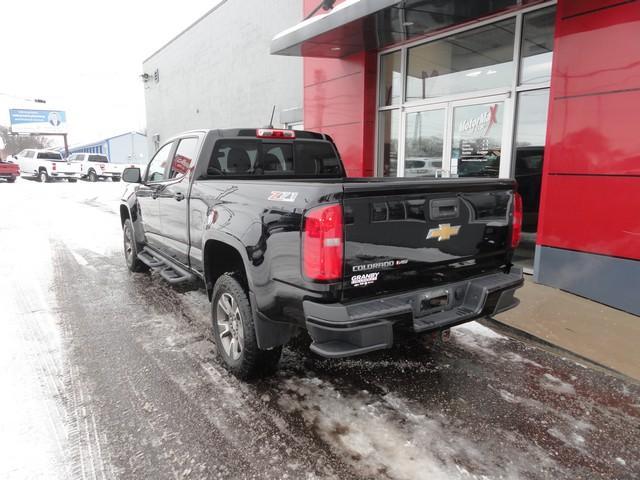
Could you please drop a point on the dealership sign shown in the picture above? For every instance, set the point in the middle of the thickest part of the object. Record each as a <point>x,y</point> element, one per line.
<point>38,121</point>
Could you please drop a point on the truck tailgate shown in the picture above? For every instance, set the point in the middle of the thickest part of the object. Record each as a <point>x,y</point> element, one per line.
<point>404,234</point>
<point>9,169</point>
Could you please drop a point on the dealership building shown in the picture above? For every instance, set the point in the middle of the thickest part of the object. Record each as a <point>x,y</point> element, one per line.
<point>543,91</point>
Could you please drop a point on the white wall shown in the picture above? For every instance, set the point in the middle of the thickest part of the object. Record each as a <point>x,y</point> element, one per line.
<point>219,74</point>
<point>129,148</point>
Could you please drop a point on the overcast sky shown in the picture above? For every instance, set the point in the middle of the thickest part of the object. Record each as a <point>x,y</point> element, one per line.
<point>85,57</point>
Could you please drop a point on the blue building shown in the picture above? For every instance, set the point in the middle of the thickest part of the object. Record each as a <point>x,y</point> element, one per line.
<point>130,147</point>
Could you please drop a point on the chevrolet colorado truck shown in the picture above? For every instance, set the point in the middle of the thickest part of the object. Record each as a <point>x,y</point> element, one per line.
<point>9,171</point>
<point>285,243</point>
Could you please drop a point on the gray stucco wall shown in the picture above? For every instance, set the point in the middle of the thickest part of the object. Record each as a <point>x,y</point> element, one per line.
<point>219,74</point>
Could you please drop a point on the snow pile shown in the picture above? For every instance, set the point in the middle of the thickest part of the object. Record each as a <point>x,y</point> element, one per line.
<point>386,437</point>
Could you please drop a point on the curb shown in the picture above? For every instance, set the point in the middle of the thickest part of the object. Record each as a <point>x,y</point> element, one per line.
<point>523,335</point>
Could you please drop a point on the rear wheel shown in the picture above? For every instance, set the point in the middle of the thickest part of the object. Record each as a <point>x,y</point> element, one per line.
<point>43,176</point>
<point>72,180</point>
<point>93,177</point>
<point>115,179</point>
<point>234,333</point>
<point>131,248</point>
<point>11,179</point>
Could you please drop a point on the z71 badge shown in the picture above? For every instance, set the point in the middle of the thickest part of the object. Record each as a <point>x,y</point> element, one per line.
<point>283,196</point>
<point>364,279</point>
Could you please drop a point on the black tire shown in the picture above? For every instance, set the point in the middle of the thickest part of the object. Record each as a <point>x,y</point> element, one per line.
<point>131,249</point>
<point>43,176</point>
<point>250,362</point>
<point>115,179</point>
<point>93,176</point>
<point>72,180</point>
<point>11,179</point>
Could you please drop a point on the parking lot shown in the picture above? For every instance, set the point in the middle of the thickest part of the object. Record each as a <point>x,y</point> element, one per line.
<point>108,374</point>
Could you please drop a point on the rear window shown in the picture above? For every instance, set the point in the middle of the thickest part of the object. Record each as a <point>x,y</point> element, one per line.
<point>49,156</point>
<point>250,158</point>
<point>98,158</point>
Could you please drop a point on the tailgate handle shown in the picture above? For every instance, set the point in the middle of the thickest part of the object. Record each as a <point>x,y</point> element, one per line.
<point>444,208</point>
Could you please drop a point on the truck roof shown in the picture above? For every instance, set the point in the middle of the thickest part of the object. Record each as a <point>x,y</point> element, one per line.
<point>251,132</point>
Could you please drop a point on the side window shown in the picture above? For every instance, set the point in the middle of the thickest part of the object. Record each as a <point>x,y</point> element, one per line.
<point>233,157</point>
<point>29,154</point>
<point>97,158</point>
<point>185,157</point>
<point>158,165</point>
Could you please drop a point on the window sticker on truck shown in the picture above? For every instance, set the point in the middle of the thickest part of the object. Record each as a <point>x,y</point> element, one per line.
<point>364,279</point>
<point>283,196</point>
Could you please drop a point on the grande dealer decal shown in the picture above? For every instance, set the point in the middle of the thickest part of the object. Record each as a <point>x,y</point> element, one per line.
<point>364,279</point>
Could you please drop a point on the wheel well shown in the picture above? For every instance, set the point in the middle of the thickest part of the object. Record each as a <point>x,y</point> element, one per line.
<point>221,258</point>
<point>42,169</point>
<point>124,214</point>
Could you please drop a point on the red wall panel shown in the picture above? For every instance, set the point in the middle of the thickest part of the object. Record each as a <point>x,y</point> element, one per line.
<point>595,134</point>
<point>340,100</point>
<point>598,51</point>
<point>576,7</point>
<point>598,214</point>
<point>335,101</point>
<point>591,177</point>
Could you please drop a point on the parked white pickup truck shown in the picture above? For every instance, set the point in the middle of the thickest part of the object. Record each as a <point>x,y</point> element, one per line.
<point>95,166</point>
<point>46,165</point>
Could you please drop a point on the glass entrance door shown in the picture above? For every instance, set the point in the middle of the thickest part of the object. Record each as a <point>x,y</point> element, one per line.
<point>463,138</point>
<point>424,145</point>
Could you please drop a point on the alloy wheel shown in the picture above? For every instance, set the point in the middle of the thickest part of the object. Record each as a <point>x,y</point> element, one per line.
<point>230,326</point>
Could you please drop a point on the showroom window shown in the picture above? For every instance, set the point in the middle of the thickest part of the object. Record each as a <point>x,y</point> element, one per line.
<point>479,59</point>
<point>448,106</point>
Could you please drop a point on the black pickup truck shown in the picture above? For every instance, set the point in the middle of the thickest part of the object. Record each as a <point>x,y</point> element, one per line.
<point>285,242</point>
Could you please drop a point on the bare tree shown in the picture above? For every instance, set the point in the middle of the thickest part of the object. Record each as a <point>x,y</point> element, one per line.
<point>16,143</point>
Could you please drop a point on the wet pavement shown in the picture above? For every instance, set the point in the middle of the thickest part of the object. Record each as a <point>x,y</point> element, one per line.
<point>107,374</point>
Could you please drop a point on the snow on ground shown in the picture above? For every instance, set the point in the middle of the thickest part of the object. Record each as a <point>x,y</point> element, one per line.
<point>37,434</point>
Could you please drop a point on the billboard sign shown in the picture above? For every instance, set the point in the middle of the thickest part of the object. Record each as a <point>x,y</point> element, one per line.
<point>38,121</point>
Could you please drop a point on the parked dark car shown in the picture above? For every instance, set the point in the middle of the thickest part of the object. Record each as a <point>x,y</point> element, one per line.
<point>285,243</point>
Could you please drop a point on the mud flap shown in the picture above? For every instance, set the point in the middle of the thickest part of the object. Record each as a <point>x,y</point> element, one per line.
<point>270,334</point>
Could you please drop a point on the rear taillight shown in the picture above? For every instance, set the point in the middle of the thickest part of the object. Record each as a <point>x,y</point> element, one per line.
<point>517,220</point>
<point>322,243</point>
<point>54,166</point>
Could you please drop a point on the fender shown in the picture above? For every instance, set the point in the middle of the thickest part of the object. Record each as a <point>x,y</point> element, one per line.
<point>233,242</point>
<point>131,204</point>
<point>269,333</point>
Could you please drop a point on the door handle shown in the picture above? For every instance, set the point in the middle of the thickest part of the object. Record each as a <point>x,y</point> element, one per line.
<point>179,196</point>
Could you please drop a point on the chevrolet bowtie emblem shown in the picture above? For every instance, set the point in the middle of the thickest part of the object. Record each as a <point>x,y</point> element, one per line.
<point>444,232</point>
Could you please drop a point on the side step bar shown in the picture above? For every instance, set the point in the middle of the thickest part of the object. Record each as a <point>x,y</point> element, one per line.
<point>168,270</point>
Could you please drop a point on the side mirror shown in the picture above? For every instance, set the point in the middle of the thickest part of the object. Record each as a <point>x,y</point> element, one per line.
<point>131,175</point>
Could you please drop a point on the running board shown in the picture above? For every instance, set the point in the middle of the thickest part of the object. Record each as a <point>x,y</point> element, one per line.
<point>168,270</point>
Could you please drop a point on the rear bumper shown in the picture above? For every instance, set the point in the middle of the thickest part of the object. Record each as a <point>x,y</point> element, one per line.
<point>341,330</point>
<point>64,175</point>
